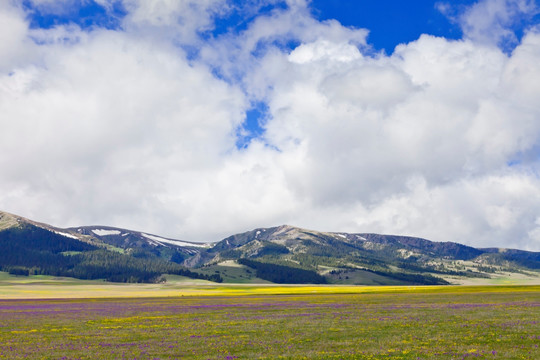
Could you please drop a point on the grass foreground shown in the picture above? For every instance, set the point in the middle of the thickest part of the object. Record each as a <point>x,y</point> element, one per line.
<point>270,322</point>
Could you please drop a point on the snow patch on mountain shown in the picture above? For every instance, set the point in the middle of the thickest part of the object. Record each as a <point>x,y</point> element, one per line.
<point>163,241</point>
<point>66,235</point>
<point>103,232</point>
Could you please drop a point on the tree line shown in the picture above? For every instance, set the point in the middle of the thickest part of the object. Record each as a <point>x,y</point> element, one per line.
<point>30,250</point>
<point>281,274</point>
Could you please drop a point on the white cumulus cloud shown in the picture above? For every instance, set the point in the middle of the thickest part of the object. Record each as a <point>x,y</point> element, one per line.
<point>492,21</point>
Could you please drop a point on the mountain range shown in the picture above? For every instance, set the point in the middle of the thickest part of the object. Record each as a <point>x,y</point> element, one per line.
<point>283,254</point>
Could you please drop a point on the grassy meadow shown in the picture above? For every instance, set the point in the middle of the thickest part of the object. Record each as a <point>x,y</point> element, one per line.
<point>181,320</point>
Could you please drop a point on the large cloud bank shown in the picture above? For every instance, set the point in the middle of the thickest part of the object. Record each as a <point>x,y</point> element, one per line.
<point>126,127</point>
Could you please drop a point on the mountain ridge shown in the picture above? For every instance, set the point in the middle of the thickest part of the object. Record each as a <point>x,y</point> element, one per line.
<point>297,253</point>
<point>106,233</point>
<point>405,258</point>
<point>34,248</point>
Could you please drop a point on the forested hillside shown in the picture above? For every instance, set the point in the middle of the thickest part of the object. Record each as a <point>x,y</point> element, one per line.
<point>31,250</point>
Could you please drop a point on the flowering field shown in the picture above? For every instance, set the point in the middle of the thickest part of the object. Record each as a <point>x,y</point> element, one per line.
<point>488,323</point>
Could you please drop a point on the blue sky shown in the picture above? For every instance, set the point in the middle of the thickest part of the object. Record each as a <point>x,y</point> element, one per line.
<point>87,14</point>
<point>388,28</point>
<point>390,22</point>
<point>403,24</point>
<point>196,119</point>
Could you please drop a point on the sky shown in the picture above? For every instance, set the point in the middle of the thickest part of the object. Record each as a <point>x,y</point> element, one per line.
<point>198,119</point>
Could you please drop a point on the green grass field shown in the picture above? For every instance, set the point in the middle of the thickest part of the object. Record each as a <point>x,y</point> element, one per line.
<point>183,320</point>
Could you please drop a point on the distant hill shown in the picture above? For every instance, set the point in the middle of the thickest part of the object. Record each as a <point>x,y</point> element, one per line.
<point>283,254</point>
<point>366,258</point>
<point>32,248</point>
